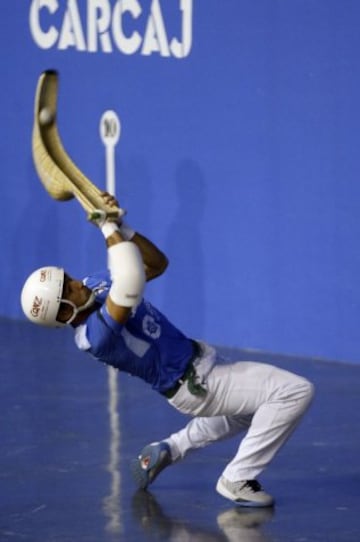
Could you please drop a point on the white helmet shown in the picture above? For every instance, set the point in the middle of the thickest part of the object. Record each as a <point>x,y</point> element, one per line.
<point>42,294</point>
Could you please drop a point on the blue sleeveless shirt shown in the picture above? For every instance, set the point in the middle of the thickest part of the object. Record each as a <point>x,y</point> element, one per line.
<point>147,345</point>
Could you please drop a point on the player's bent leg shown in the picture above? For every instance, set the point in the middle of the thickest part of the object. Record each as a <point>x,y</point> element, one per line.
<point>278,400</point>
<point>272,425</point>
<point>152,460</point>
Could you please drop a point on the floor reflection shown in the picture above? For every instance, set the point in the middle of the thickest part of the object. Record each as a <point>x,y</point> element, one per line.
<point>234,525</point>
<point>111,503</point>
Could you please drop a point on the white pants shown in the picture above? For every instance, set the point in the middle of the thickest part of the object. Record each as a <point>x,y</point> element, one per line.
<point>261,399</point>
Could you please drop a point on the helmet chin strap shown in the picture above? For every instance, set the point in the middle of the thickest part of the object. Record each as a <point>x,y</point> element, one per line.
<point>77,310</point>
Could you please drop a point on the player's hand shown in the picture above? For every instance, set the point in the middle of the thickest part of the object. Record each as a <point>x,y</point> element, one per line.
<point>99,217</point>
<point>110,200</point>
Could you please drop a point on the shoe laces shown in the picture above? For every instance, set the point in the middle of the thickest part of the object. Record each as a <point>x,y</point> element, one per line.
<point>254,485</point>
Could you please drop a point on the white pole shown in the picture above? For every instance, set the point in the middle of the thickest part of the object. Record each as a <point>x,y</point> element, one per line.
<point>110,129</point>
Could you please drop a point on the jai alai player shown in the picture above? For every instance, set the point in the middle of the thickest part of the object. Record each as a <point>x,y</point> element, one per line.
<point>114,323</point>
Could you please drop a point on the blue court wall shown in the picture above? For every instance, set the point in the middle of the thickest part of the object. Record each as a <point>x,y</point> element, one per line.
<point>238,156</point>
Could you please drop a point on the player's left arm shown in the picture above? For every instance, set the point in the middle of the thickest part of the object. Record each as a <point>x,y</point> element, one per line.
<point>127,274</point>
<point>155,261</point>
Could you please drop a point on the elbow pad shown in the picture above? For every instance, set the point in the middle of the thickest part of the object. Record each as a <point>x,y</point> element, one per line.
<point>127,274</point>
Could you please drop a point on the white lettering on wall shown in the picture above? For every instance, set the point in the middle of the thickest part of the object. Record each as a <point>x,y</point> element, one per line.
<point>107,26</point>
<point>71,34</point>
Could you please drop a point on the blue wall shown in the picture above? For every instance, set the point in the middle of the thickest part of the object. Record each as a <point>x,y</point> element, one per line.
<point>238,155</point>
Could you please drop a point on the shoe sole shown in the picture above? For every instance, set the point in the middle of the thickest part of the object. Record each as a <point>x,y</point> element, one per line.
<point>139,474</point>
<point>242,502</point>
<point>142,476</point>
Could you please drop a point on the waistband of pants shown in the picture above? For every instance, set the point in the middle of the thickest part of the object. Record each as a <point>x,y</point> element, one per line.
<point>189,372</point>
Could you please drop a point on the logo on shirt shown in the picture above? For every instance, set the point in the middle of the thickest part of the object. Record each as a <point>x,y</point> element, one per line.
<point>151,327</point>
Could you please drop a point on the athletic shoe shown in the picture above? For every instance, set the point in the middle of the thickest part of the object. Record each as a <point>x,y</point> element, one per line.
<point>245,492</point>
<point>151,461</point>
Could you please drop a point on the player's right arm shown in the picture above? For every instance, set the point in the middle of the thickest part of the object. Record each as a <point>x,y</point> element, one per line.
<point>127,272</point>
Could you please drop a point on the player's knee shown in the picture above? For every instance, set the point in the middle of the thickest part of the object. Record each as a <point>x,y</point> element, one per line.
<point>306,393</point>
